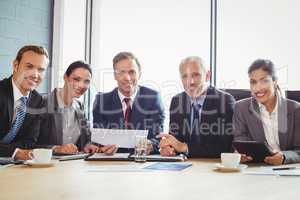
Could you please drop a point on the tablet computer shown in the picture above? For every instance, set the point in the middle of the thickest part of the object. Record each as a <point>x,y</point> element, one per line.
<point>257,150</point>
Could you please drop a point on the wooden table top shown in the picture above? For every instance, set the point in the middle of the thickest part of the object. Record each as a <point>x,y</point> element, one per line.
<point>78,179</point>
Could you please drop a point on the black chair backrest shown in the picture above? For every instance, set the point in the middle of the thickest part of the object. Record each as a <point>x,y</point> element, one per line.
<point>293,95</point>
<point>239,94</point>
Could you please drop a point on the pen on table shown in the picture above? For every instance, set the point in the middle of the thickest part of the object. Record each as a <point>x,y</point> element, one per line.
<point>283,168</point>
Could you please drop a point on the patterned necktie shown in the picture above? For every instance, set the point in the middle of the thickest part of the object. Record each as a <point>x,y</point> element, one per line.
<point>20,116</point>
<point>127,112</point>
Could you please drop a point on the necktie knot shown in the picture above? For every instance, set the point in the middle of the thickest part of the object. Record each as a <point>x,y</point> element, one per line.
<point>127,101</point>
<point>196,106</point>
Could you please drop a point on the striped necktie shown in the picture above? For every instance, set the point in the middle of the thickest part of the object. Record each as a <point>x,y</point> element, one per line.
<point>17,123</point>
<point>127,113</point>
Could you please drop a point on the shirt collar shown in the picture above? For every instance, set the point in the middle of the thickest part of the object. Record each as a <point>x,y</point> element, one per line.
<point>262,107</point>
<point>132,97</point>
<point>17,92</point>
<point>199,100</point>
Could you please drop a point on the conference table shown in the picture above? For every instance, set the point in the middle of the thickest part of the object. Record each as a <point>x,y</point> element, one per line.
<point>84,180</point>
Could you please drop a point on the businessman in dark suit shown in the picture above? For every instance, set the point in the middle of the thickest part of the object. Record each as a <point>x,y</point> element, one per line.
<point>20,104</point>
<point>200,117</point>
<point>129,106</point>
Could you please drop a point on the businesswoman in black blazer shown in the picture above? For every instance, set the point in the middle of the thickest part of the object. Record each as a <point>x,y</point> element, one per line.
<point>268,117</point>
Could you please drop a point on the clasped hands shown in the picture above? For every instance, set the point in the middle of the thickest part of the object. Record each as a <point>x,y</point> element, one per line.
<point>169,145</point>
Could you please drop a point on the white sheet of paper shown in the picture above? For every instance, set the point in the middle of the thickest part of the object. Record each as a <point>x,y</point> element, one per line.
<point>119,168</point>
<point>123,138</point>
<point>270,171</point>
<point>278,173</point>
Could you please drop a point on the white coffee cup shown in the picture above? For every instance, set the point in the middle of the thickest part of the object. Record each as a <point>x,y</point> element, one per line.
<point>41,155</point>
<point>230,160</point>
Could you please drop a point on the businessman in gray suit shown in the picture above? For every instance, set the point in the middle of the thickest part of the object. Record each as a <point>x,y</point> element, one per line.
<point>268,117</point>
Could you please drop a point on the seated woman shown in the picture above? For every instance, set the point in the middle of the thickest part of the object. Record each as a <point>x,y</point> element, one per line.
<point>268,117</point>
<point>64,124</point>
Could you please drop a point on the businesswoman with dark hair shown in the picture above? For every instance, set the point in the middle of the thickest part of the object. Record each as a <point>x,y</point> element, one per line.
<point>64,126</point>
<point>268,117</point>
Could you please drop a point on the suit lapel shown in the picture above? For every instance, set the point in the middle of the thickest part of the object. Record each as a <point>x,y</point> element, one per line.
<point>116,106</point>
<point>184,100</point>
<point>10,100</point>
<point>258,130</point>
<point>285,122</point>
<point>209,103</point>
<point>136,107</point>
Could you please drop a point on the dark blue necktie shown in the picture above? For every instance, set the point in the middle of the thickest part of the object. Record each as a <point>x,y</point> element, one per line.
<point>20,116</point>
<point>195,118</point>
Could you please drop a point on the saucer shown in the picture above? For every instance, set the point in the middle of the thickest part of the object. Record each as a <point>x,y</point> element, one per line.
<point>221,168</point>
<point>39,164</point>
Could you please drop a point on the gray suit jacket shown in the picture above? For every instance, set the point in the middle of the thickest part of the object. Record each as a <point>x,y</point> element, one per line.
<point>247,126</point>
<point>51,130</point>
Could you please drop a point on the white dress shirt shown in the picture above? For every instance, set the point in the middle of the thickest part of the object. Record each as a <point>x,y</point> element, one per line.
<point>270,125</point>
<point>70,124</point>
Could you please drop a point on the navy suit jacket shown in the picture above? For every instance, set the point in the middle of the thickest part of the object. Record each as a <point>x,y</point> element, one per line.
<point>147,112</point>
<point>29,131</point>
<point>213,135</point>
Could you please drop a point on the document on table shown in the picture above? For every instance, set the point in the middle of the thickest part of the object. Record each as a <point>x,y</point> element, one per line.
<point>123,138</point>
<point>138,167</point>
<point>168,166</point>
<point>294,171</point>
<point>131,167</point>
<point>159,158</point>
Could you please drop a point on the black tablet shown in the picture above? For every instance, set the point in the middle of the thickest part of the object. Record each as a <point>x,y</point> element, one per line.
<point>257,150</point>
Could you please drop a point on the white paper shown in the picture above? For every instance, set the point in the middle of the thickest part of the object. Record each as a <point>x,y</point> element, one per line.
<point>132,167</point>
<point>270,171</point>
<point>123,138</point>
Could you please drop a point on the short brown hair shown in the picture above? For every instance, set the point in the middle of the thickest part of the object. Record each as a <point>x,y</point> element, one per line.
<point>36,49</point>
<point>126,55</point>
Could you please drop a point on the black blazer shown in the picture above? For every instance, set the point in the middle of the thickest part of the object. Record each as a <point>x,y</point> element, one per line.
<point>51,124</point>
<point>147,112</point>
<point>214,133</point>
<point>29,131</point>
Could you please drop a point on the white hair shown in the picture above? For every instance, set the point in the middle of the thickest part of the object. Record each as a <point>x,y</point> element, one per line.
<point>193,59</point>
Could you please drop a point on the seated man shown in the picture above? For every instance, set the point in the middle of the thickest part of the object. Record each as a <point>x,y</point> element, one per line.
<point>129,106</point>
<point>200,117</point>
<point>64,126</point>
<point>20,104</point>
